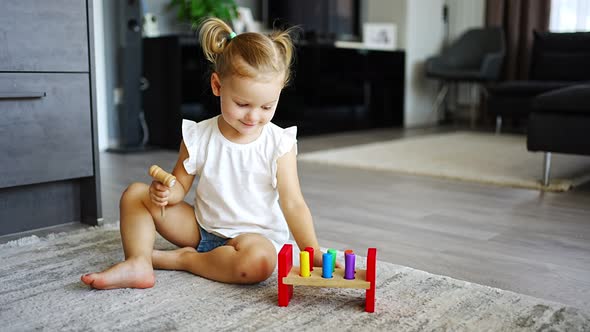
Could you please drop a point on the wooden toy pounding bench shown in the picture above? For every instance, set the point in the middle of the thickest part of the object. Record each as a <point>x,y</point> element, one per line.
<point>289,276</point>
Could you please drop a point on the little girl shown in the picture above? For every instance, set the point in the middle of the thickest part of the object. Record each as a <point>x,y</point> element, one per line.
<point>246,166</point>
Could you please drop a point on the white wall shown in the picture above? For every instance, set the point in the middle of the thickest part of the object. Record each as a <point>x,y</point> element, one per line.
<point>424,35</point>
<point>99,72</point>
<point>105,49</point>
<point>465,14</point>
<point>421,33</point>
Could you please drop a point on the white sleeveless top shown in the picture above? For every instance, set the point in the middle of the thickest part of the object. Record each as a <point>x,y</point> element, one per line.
<point>237,189</point>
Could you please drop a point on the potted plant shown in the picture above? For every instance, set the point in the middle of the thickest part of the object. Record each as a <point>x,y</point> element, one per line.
<point>193,11</point>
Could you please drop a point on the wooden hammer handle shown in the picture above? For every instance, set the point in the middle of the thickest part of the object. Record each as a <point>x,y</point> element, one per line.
<point>161,175</point>
<point>166,178</point>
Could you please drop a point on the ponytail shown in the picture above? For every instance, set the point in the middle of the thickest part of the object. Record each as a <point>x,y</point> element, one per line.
<point>284,44</point>
<point>213,36</point>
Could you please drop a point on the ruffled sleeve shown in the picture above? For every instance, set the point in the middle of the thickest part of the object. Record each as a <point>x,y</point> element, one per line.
<point>190,136</point>
<point>287,140</point>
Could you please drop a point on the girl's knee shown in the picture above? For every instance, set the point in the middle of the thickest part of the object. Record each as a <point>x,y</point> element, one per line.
<point>134,193</point>
<point>257,266</point>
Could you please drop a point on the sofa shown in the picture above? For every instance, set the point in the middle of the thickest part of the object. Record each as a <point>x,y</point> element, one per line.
<point>558,60</point>
<point>560,122</point>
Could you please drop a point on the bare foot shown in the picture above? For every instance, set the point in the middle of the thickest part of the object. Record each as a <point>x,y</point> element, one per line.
<point>132,273</point>
<point>169,259</point>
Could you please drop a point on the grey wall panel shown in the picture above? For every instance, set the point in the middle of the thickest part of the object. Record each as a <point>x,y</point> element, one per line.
<point>45,138</point>
<point>43,35</point>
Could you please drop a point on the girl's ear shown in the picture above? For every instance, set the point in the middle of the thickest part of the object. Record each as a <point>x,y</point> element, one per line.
<point>215,84</point>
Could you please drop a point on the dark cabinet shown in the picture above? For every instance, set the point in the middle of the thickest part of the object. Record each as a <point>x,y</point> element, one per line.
<point>178,87</point>
<point>332,89</point>
<point>343,89</point>
<point>49,170</point>
<point>47,36</point>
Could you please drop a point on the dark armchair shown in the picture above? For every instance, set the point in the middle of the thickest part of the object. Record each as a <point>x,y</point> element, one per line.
<point>476,57</point>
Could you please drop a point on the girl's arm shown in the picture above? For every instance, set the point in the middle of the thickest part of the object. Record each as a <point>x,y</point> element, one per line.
<point>294,207</point>
<point>184,181</point>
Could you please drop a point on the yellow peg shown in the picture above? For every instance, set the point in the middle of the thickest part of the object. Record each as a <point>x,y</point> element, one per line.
<point>161,175</point>
<point>304,263</point>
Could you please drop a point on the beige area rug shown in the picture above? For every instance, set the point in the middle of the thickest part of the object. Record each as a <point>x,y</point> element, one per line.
<point>40,289</point>
<point>478,157</point>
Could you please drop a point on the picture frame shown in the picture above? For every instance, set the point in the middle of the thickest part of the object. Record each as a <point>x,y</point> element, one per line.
<point>245,21</point>
<point>380,36</point>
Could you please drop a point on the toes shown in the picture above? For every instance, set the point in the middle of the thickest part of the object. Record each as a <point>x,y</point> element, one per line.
<point>89,279</point>
<point>94,281</point>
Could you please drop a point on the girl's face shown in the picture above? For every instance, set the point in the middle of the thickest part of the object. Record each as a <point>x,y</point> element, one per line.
<point>246,104</point>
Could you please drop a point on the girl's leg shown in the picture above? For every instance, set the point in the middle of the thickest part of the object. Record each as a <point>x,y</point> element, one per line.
<point>139,221</point>
<point>246,259</point>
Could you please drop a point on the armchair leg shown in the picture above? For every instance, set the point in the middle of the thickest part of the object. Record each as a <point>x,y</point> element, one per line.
<point>474,105</point>
<point>546,168</point>
<point>498,124</point>
<point>439,101</point>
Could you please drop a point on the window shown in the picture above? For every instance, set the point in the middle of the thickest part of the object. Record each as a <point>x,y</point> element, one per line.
<point>570,15</point>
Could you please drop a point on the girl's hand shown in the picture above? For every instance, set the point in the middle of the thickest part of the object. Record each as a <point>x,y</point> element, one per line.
<point>159,193</point>
<point>317,260</point>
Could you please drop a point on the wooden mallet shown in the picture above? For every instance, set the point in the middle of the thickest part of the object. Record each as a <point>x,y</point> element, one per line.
<point>161,175</point>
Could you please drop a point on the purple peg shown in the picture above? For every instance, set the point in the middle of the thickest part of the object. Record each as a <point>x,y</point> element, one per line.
<point>349,268</point>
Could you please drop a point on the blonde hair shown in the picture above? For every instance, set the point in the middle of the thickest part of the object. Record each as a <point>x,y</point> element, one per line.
<point>247,55</point>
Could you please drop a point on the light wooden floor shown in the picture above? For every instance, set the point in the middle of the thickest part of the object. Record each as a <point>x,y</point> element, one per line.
<point>515,239</point>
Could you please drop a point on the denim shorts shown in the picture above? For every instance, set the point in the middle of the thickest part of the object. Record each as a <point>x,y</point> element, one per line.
<point>209,241</point>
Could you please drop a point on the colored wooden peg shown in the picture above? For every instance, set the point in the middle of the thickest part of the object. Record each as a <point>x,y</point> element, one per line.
<point>327,268</point>
<point>304,264</point>
<point>334,253</point>
<point>310,251</point>
<point>349,266</point>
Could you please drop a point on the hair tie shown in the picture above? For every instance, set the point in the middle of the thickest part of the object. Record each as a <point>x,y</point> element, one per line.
<point>232,35</point>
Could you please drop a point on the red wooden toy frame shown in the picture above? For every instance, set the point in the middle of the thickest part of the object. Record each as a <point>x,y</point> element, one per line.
<point>288,276</point>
